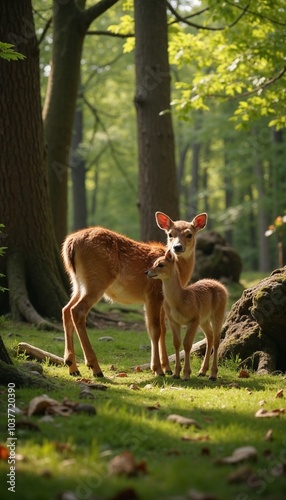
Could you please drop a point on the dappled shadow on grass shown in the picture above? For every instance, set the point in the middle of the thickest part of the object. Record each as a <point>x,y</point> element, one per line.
<point>177,457</point>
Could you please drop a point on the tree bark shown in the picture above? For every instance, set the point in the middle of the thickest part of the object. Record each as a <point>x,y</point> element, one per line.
<point>31,262</point>
<point>78,171</point>
<point>70,24</point>
<point>157,170</point>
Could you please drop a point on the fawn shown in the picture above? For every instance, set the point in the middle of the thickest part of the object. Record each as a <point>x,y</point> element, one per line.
<point>101,263</point>
<point>202,303</point>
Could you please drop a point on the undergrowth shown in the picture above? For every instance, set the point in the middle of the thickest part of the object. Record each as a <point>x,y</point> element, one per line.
<point>57,455</point>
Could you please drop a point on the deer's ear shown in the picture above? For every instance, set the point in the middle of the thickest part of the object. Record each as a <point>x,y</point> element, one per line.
<point>200,221</point>
<point>169,256</point>
<point>163,221</point>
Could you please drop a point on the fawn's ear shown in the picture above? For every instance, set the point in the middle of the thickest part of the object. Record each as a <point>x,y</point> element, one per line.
<point>163,221</point>
<point>200,221</point>
<point>169,256</point>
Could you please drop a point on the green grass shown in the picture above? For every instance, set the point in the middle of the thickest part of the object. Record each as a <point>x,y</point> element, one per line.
<point>178,459</point>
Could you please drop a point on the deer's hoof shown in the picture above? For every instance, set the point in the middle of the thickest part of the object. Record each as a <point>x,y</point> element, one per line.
<point>177,377</point>
<point>75,374</point>
<point>98,375</point>
<point>213,379</point>
<point>169,372</point>
<point>201,374</point>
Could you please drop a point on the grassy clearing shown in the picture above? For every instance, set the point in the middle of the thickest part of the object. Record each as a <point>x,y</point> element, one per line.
<point>73,453</point>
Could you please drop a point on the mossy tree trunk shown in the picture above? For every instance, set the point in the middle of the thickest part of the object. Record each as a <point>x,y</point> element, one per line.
<point>32,265</point>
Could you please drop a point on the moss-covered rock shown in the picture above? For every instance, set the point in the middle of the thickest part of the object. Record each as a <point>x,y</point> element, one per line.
<point>255,329</point>
<point>215,259</point>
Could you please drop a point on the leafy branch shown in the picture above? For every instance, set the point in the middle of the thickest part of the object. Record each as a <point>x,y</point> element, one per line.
<point>7,52</point>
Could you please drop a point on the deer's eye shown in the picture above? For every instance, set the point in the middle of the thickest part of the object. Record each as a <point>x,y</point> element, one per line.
<point>160,265</point>
<point>189,236</point>
<point>170,235</point>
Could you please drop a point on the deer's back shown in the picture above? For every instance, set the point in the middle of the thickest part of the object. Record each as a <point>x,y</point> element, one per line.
<point>97,255</point>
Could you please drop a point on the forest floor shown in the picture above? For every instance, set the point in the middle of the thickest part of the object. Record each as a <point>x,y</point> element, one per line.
<point>122,443</point>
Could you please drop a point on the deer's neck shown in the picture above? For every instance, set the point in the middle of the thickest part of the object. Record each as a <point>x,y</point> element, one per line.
<point>186,266</point>
<point>172,288</point>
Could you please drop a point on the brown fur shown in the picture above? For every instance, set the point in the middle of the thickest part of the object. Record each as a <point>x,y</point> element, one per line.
<point>101,263</point>
<point>202,303</point>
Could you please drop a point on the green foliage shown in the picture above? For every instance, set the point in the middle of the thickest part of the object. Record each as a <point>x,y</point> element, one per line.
<point>236,58</point>
<point>72,454</point>
<point>7,52</point>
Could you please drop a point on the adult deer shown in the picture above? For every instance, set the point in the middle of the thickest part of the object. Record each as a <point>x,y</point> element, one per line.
<point>202,303</point>
<point>101,263</point>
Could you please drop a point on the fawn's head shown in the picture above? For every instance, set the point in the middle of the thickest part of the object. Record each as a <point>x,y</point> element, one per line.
<point>163,266</point>
<point>181,234</point>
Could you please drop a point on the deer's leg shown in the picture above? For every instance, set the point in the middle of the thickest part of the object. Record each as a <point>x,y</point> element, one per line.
<point>206,327</point>
<point>79,312</point>
<point>153,324</point>
<point>162,345</point>
<point>187,343</point>
<point>69,355</point>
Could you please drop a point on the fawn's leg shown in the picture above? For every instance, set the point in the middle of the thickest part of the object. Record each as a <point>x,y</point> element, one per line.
<point>153,324</point>
<point>162,345</point>
<point>206,327</point>
<point>187,343</point>
<point>69,355</point>
<point>176,333</point>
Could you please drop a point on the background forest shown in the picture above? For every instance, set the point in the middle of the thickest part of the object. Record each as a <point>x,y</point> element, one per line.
<point>175,106</point>
<point>227,117</point>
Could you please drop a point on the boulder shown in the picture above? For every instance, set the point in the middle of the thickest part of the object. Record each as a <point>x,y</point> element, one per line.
<point>255,329</point>
<point>215,259</point>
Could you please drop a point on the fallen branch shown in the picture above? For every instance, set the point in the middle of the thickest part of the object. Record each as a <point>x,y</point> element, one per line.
<point>35,352</point>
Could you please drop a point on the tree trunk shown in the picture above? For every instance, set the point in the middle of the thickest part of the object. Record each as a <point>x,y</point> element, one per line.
<point>157,171</point>
<point>263,244</point>
<point>78,171</point>
<point>70,24</point>
<point>31,262</point>
<point>11,375</point>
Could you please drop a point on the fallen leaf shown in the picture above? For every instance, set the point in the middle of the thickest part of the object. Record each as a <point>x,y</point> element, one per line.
<point>240,475</point>
<point>199,495</point>
<point>121,374</point>
<point>125,464</point>
<point>279,394</point>
<point>61,447</point>
<point>269,435</point>
<point>4,453</point>
<point>239,455</point>
<point>268,414</point>
<point>173,452</point>
<point>85,408</point>
<point>138,369</point>
<point>243,374</point>
<point>40,404</point>
<point>91,385</point>
<point>179,419</point>
<point>234,385</point>
<point>196,438</point>
<point>156,406</point>
<point>126,494</point>
<point>134,387</point>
